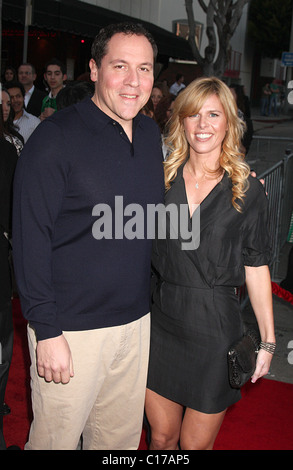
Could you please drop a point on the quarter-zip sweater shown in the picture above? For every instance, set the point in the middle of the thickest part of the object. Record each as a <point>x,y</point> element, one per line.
<point>73,272</point>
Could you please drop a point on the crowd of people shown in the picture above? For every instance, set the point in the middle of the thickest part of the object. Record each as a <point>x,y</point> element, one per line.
<point>122,326</point>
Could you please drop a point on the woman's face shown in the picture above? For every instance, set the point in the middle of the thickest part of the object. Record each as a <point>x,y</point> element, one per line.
<point>9,75</point>
<point>156,96</point>
<point>206,130</point>
<point>6,105</point>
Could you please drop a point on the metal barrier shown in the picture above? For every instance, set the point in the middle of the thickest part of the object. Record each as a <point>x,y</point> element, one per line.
<point>264,145</point>
<point>279,188</point>
<point>278,182</point>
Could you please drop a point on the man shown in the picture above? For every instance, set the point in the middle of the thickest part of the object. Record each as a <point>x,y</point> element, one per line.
<point>7,166</point>
<point>85,294</point>
<point>24,121</point>
<point>55,76</point>
<point>275,93</point>
<point>178,85</point>
<point>33,96</point>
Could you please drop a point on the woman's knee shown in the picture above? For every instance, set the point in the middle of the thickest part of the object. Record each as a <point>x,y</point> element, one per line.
<point>164,440</point>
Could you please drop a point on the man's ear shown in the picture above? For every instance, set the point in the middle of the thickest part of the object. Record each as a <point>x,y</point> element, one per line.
<point>94,70</point>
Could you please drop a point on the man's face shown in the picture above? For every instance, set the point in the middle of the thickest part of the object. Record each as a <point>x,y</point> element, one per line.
<point>17,100</point>
<point>124,81</point>
<point>26,75</point>
<point>54,77</point>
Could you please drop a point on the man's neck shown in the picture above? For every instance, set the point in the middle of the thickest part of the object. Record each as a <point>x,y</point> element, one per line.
<point>55,92</point>
<point>18,115</point>
<point>28,87</point>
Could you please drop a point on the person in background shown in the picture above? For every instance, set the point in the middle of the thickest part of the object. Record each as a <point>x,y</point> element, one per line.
<point>8,159</point>
<point>10,75</point>
<point>275,94</point>
<point>55,76</point>
<point>25,122</point>
<point>85,294</point>
<point>148,109</point>
<point>196,314</point>
<point>33,96</point>
<point>178,85</point>
<point>265,100</point>
<point>157,94</point>
<point>243,105</point>
<point>163,113</point>
<point>10,131</point>
<point>73,93</point>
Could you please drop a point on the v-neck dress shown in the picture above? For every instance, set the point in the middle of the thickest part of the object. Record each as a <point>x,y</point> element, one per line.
<point>195,309</point>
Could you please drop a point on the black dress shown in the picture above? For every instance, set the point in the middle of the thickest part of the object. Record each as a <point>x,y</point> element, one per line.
<point>195,310</point>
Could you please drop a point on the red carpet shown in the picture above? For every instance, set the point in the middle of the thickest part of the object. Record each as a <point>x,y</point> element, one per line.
<point>262,420</point>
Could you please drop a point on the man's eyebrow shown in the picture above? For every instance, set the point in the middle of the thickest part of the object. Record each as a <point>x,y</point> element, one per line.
<point>122,61</point>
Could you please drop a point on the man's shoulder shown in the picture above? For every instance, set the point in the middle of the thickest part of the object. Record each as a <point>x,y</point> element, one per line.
<point>148,124</point>
<point>39,93</point>
<point>31,117</point>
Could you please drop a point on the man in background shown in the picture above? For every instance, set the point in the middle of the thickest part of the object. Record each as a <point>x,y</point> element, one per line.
<point>55,76</point>
<point>178,85</point>
<point>33,96</point>
<point>25,122</point>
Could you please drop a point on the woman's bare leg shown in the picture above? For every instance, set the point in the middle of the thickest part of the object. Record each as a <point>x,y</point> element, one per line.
<point>199,430</point>
<point>165,418</point>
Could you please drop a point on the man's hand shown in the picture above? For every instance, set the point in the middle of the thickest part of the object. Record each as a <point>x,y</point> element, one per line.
<point>54,361</point>
<point>46,113</point>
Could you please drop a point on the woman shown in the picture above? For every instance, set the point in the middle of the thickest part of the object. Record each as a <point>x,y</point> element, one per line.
<point>163,113</point>
<point>244,113</point>
<point>195,313</point>
<point>9,129</point>
<point>157,94</point>
<point>10,74</point>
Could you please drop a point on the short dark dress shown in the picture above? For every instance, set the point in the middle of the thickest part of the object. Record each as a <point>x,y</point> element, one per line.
<point>195,310</point>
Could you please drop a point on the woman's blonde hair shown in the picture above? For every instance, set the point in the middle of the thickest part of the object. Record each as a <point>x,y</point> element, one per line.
<point>188,103</point>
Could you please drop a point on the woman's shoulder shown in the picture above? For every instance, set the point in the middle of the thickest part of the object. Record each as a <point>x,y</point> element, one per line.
<point>255,193</point>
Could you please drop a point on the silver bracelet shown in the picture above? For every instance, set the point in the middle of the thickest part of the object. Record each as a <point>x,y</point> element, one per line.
<point>269,347</point>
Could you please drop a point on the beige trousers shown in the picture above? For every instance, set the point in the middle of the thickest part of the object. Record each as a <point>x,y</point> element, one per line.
<point>104,401</point>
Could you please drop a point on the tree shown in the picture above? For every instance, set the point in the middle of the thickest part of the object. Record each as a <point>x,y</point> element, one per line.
<point>269,26</point>
<point>222,18</point>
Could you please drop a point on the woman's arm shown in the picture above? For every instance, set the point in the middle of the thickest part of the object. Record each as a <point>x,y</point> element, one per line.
<point>258,282</point>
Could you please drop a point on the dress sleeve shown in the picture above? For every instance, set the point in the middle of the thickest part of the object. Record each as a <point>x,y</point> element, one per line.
<point>256,235</point>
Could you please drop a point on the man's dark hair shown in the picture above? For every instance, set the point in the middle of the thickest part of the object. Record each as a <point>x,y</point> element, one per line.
<point>19,85</point>
<point>99,46</point>
<point>57,62</point>
<point>73,93</point>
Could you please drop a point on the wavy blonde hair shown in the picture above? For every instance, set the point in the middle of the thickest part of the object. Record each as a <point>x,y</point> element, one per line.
<point>188,103</point>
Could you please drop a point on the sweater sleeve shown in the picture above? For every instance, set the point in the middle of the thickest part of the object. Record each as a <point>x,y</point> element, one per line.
<point>39,187</point>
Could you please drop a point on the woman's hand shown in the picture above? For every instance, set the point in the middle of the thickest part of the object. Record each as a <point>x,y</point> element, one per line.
<point>263,363</point>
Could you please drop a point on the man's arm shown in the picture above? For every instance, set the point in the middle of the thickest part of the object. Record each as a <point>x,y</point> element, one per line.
<point>39,189</point>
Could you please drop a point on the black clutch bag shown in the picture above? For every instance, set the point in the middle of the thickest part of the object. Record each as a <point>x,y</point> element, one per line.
<point>242,359</point>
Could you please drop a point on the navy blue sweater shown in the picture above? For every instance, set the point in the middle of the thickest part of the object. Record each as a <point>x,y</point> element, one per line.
<point>74,162</point>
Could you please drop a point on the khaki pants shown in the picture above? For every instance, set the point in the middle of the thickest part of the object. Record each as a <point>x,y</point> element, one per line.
<point>104,401</point>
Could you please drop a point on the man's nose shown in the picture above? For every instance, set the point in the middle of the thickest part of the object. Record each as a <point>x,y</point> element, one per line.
<point>132,78</point>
